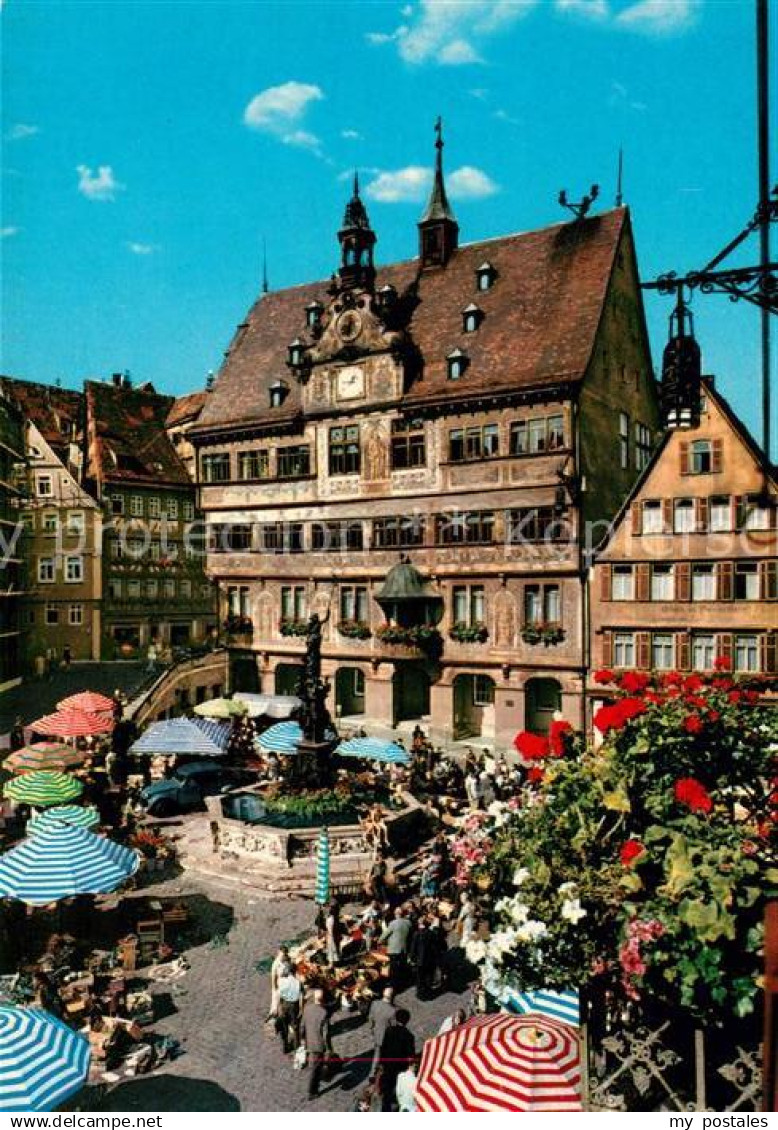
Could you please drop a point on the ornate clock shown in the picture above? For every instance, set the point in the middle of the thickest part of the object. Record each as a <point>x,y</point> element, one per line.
<point>349,325</point>
<point>350,383</point>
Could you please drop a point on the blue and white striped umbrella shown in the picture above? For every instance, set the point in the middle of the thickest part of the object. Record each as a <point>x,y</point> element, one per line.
<point>323,868</point>
<point>201,737</point>
<point>284,738</point>
<point>373,749</point>
<point>62,861</point>
<point>82,816</point>
<point>562,1006</point>
<point>42,1061</point>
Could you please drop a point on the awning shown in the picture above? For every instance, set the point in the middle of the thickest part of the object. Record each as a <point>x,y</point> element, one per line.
<point>269,705</point>
<point>373,749</point>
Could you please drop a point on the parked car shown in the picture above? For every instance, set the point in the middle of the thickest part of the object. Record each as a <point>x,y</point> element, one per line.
<point>189,784</point>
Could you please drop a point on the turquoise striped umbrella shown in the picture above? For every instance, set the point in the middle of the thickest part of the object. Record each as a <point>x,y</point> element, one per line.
<point>42,1061</point>
<point>82,817</point>
<point>373,749</point>
<point>42,787</point>
<point>62,861</point>
<point>323,868</point>
<point>284,738</point>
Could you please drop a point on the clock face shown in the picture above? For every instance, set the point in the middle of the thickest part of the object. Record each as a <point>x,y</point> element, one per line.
<point>349,325</point>
<point>351,383</point>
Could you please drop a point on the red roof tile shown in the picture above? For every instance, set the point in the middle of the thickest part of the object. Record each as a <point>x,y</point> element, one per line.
<point>186,408</point>
<point>126,437</point>
<point>57,413</point>
<point>540,321</point>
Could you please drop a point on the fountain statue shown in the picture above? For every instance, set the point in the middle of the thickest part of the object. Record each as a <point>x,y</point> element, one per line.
<point>313,762</point>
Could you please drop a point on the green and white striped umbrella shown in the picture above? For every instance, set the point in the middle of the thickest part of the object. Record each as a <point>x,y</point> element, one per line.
<point>85,816</point>
<point>323,868</point>
<point>42,787</point>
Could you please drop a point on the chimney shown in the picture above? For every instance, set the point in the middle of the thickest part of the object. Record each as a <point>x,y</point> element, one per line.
<point>116,380</point>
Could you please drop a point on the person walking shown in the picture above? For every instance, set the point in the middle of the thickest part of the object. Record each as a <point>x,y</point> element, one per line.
<point>381,1015</point>
<point>423,955</point>
<point>333,930</point>
<point>397,1051</point>
<point>290,995</point>
<point>280,961</point>
<point>405,1091</point>
<point>397,937</point>
<point>151,656</point>
<point>316,1032</point>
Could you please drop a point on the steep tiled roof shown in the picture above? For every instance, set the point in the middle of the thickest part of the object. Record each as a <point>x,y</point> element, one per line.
<point>126,437</point>
<point>186,408</point>
<point>57,413</point>
<point>540,320</point>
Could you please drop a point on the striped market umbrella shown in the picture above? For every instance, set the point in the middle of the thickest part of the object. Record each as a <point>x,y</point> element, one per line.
<point>73,724</point>
<point>373,749</point>
<point>42,787</point>
<point>62,861</point>
<point>202,737</point>
<point>284,738</point>
<point>270,705</point>
<point>90,701</point>
<point>44,755</point>
<point>42,1061</point>
<point>221,708</point>
<point>501,1062</point>
<point>79,816</point>
<point>323,868</point>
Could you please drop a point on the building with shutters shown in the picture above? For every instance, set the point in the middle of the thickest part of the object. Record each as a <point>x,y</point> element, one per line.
<point>14,491</point>
<point>690,571</point>
<point>414,451</point>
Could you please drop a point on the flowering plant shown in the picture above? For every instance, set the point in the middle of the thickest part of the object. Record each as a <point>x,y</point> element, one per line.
<point>641,867</point>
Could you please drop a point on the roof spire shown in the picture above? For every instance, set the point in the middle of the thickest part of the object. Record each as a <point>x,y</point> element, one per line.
<point>356,241</point>
<point>619,179</point>
<point>438,226</point>
<point>265,284</point>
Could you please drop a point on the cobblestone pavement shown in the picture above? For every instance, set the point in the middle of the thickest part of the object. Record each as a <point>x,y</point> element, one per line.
<point>230,1061</point>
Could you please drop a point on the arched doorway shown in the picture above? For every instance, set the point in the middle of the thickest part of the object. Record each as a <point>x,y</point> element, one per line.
<point>543,698</point>
<point>410,692</point>
<point>287,676</point>
<point>473,706</point>
<point>349,691</point>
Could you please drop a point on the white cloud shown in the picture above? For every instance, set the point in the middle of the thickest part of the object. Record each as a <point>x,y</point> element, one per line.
<point>503,116</point>
<point>659,17</point>
<point>409,184</point>
<point>449,31</point>
<point>412,185</point>
<point>279,110</point>
<point>100,185</point>
<point>6,233</point>
<point>589,9</point>
<point>351,135</point>
<point>141,248</point>
<point>21,130</point>
<point>469,183</point>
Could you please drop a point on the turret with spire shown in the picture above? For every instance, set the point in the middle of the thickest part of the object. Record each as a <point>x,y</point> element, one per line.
<point>357,240</point>
<point>438,228</point>
<point>681,383</point>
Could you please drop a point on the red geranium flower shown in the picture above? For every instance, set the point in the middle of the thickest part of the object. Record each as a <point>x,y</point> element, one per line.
<point>614,717</point>
<point>604,676</point>
<point>735,697</point>
<point>532,746</point>
<point>713,715</point>
<point>672,679</point>
<point>535,774</point>
<point>692,723</point>
<point>633,682</point>
<point>630,851</point>
<point>693,683</point>
<point>693,794</point>
<point>556,737</point>
<point>630,708</point>
<point>722,663</point>
<point>752,697</point>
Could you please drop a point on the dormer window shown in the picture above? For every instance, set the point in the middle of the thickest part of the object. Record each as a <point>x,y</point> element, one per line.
<point>278,394</point>
<point>313,313</point>
<point>485,276</point>
<point>386,296</point>
<point>457,363</point>
<point>296,354</point>
<point>471,318</point>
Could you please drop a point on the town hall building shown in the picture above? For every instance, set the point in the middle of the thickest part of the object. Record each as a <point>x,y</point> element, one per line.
<point>416,452</point>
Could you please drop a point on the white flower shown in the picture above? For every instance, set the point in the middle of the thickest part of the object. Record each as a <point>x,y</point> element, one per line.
<point>531,931</point>
<point>520,875</point>
<point>519,912</point>
<point>568,888</point>
<point>572,910</point>
<point>476,951</point>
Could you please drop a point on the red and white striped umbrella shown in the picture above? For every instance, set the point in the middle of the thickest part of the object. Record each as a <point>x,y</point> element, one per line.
<point>72,724</point>
<point>90,701</point>
<point>502,1062</point>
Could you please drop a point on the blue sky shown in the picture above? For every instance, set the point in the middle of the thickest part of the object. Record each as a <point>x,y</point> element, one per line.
<point>150,147</point>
